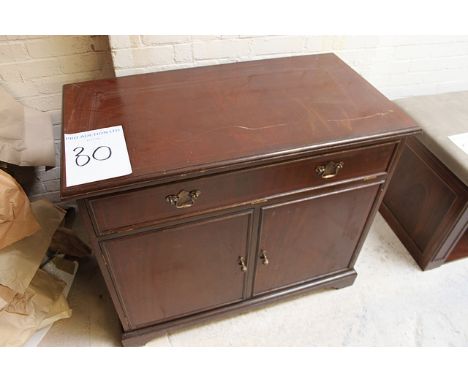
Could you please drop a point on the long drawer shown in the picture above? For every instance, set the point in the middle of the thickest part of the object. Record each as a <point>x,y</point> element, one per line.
<point>127,210</point>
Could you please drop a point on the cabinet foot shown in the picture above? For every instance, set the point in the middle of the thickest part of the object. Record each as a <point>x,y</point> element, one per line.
<point>344,282</point>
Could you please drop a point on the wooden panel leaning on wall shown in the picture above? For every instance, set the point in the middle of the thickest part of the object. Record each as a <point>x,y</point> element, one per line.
<point>227,160</point>
<point>427,202</point>
<point>427,207</point>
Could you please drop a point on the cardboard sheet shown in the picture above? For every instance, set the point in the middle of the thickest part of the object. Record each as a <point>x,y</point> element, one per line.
<point>20,261</point>
<point>26,134</point>
<point>38,139</point>
<point>16,218</point>
<point>42,304</point>
<point>12,125</point>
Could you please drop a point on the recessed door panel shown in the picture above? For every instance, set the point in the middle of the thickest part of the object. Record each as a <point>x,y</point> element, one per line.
<point>179,270</point>
<point>306,238</point>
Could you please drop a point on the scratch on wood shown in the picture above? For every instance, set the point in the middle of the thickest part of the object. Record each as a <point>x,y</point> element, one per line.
<point>261,127</point>
<point>382,114</point>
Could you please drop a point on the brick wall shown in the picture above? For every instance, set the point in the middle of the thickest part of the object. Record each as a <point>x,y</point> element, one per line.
<point>34,69</point>
<point>398,66</point>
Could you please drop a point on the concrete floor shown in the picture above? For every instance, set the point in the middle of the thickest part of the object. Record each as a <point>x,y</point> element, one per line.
<point>392,303</point>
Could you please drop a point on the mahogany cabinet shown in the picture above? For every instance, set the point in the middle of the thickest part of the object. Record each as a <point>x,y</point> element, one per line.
<point>251,181</point>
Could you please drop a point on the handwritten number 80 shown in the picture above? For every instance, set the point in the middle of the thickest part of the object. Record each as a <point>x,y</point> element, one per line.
<point>100,153</point>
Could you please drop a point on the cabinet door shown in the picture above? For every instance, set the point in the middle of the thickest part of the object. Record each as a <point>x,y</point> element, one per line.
<point>179,270</point>
<point>303,239</point>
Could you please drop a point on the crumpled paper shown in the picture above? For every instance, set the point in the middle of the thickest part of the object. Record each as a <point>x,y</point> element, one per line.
<point>6,296</point>
<point>20,261</point>
<point>16,218</point>
<point>26,134</point>
<point>30,298</point>
<point>42,304</point>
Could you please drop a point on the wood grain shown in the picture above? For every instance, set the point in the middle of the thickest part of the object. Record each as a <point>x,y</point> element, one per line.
<point>184,121</point>
<point>426,205</point>
<point>179,270</point>
<point>309,237</point>
<point>148,205</point>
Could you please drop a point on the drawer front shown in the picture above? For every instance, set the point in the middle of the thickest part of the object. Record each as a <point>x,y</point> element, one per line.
<point>175,271</point>
<point>145,206</point>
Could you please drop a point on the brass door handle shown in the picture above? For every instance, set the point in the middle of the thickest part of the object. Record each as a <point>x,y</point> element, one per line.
<point>183,199</point>
<point>242,264</point>
<point>330,170</point>
<point>264,258</point>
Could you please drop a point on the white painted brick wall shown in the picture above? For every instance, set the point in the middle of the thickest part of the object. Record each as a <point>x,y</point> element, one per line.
<point>35,68</point>
<point>399,66</point>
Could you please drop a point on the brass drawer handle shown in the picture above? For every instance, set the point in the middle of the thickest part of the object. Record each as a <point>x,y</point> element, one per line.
<point>183,199</point>
<point>264,258</point>
<point>242,264</point>
<point>330,170</point>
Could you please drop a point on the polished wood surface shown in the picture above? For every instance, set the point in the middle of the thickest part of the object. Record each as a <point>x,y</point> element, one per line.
<point>419,199</point>
<point>184,121</point>
<point>289,155</point>
<point>310,237</point>
<point>149,205</point>
<point>426,206</point>
<point>179,270</point>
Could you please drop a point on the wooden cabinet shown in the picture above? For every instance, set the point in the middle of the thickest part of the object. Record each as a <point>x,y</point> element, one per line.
<point>251,181</point>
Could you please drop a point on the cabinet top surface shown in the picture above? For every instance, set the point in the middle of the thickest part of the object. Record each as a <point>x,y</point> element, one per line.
<point>190,120</point>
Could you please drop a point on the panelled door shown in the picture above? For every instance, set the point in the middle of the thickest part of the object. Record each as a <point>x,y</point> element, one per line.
<point>310,237</point>
<point>179,270</point>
